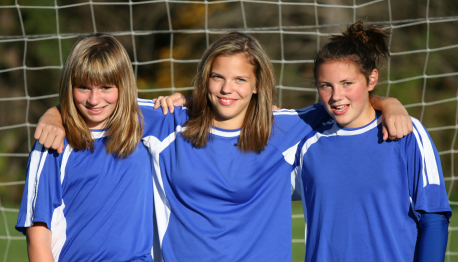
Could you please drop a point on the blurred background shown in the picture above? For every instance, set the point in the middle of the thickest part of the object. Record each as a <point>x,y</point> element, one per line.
<point>165,40</point>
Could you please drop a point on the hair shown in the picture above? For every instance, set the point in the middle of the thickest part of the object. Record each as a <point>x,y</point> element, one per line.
<point>257,124</point>
<point>363,47</point>
<point>101,59</point>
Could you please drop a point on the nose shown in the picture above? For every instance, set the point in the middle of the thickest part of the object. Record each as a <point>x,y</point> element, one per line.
<point>337,94</point>
<point>94,97</point>
<point>226,87</point>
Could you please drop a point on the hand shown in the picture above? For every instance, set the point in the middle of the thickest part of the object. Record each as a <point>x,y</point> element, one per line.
<point>274,107</point>
<point>396,120</point>
<point>50,131</point>
<point>169,102</point>
<point>396,123</point>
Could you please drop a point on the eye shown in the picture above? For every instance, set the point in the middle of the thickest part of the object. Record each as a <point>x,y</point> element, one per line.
<point>216,77</point>
<point>107,87</point>
<point>82,87</point>
<point>241,80</point>
<point>324,86</point>
<point>347,83</point>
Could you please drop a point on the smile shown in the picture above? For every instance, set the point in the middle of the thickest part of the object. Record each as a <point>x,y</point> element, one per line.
<point>226,102</point>
<point>340,110</point>
<point>96,111</point>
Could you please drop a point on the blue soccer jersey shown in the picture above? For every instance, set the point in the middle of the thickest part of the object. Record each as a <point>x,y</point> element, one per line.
<point>97,207</point>
<point>362,195</point>
<point>217,203</point>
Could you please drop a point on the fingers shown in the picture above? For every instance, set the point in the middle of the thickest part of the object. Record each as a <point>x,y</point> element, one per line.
<point>384,132</point>
<point>60,149</point>
<point>397,127</point>
<point>157,102</point>
<point>168,103</point>
<point>50,136</point>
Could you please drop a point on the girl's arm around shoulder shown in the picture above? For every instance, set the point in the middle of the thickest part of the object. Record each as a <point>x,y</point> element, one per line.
<point>39,239</point>
<point>50,132</point>
<point>396,120</point>
<point>433,235</point>
<point>156,123</point>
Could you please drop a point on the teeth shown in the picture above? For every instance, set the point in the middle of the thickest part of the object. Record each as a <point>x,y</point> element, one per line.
<point>96,109</point>
<point>339,107</point>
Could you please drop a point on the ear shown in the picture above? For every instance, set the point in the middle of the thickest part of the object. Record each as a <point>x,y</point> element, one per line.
<point>255,90</point>
<point>373,79</point>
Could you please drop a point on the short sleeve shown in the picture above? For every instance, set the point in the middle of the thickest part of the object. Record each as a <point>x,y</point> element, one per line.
<point>290,126</point>
<point>43,188</point>
<point>426,180</point>
<point>158,125</point>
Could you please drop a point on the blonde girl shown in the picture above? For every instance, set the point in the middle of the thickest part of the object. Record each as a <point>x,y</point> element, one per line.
<point>91,203</point>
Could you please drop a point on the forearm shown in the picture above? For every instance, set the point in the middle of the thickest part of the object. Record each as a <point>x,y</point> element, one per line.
<point>433,237</point>
<point>39,243</point>
<point>380,103</point>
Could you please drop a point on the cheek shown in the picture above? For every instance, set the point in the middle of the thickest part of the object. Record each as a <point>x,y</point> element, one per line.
<point>213,87</point>
<point>114,97</point>
<point>324,95</point>
<point>78,97</point>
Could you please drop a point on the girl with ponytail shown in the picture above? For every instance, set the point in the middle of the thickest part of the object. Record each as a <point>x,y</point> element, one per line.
<point>367,199</point>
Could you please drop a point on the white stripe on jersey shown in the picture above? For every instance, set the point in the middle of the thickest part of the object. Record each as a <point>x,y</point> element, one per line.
<point>156,147</point>
<point>59,231</point>
<point>290,154</point>
<point>58,221</point>
<point>68,150</point>
<point>98,134</point>
<point>37,160</point>
<point>294,112</point>
<point>337,131</point>
<point>223,133</point>
<point>427,153</point>
<point>150,103</point>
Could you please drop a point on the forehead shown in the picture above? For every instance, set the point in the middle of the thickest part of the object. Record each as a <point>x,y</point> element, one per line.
<point>338,70</point>
<point>232,64</point>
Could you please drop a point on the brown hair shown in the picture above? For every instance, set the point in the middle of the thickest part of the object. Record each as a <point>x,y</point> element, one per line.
<point>257,125</point>
<point>364,47</point>
<point>101,59</point>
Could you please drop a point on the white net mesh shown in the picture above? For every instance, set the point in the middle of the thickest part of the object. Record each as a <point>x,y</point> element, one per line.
<point>166,38</point>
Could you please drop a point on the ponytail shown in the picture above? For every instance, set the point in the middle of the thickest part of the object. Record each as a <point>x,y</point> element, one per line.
<point>365,47</point>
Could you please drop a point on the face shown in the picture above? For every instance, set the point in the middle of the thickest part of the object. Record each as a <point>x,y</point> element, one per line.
<point>230,88</point>
<point>96,103</point>
<point>344,92</point>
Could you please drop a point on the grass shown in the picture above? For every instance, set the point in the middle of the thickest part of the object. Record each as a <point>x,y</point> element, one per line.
<point>299,227</point>
<point>13,249</point>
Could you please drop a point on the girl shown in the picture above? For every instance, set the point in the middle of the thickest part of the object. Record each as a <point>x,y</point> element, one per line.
<point>366,199</point>
<point>222,168</point>
<point>91,203</point>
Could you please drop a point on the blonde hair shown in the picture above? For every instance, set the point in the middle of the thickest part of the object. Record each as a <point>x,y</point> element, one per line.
<point>101,59</point>
<point>257,124</point>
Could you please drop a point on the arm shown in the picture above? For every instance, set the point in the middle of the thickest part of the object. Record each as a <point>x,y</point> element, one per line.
<point>433,234</point>
<point>396,120</point>
<point>38,239</point>
<point>50,132</point>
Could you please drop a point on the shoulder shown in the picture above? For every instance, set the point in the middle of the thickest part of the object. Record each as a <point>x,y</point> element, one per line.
<point>147,108</point>
<point>302,113</point>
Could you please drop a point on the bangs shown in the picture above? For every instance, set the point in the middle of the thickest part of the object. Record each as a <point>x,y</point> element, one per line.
<point>96,68</point>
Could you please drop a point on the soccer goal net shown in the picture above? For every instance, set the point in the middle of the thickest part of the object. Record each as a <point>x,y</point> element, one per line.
<point>165,39</point>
